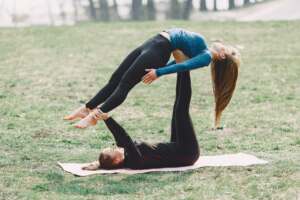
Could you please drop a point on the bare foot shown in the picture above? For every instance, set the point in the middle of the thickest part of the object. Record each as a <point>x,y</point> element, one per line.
<point>91,119</point>
<point>92,166</point>
<point>80,112</point>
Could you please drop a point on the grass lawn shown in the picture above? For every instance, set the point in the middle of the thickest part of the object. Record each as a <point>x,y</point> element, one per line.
<point>46,72</point>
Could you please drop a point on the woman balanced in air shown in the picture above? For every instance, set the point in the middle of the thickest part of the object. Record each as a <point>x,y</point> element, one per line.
<point>155,53</point>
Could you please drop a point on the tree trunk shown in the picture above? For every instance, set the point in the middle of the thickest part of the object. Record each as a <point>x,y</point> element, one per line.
<point>115,14</point>
<point>175,9</point>
<point>246,2</point>
<point>104,10</point>
<point>136,9</point>
<point>92,10</point>
<point>151,11</point>
<point>188,5</point>
<point>75,6</point>
<point>231,4</point>
<point>203,6</point>
<point>50,14</point>
<point>215,5</point>
<point>63,14</point>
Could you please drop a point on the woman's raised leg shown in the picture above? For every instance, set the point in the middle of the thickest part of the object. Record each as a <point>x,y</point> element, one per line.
<point>114,80</point>
<point>107,90</point>
<point>173,122</point>
<point>185,133</point>
<point>132,77</point>
<point>155,53</point>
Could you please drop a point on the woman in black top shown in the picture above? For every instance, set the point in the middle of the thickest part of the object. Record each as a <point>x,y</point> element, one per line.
<point>182,150</point>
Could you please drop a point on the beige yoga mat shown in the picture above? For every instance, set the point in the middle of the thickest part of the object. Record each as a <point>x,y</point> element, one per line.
<point>239,159</point>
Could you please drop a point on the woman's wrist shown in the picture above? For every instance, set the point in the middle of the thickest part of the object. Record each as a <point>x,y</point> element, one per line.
<point>158,72</point>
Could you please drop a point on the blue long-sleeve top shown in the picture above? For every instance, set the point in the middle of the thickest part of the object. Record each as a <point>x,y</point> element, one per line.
<point>192,45</point>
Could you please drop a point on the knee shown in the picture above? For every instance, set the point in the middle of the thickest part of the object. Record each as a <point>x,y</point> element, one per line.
<point>191,156</point>
<point>121,91</point>
<point>192,159</point>
<point>125,84</point>
<point>114,79</point>
<point>195,157</point>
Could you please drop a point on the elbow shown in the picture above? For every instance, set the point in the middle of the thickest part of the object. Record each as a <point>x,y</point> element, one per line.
<point>207,63</point>
<point>184,68</point>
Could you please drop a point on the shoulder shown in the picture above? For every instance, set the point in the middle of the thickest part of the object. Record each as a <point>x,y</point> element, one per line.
<point>175,31</point>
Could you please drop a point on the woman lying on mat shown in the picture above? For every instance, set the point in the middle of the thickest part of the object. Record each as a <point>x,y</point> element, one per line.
<point>184,45</point>
<point>182,149</point>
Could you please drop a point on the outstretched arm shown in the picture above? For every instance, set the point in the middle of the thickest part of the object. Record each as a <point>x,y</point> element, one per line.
<point>180,64</point>
<point>179,57</point>
<point>198,61</point>
<point>123,139</point>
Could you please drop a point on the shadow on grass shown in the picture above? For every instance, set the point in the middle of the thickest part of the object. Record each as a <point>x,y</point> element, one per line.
<point>109,184</point>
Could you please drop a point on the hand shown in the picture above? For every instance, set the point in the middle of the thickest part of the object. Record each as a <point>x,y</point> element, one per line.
<point>92,166</point>
<point>150,76</point>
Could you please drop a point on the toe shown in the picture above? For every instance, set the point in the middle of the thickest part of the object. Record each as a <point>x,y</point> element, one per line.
<point>79,126</point>
<point>68,117</point>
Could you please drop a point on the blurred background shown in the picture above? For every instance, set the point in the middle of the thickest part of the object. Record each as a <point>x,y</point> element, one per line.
<point>15,13</point>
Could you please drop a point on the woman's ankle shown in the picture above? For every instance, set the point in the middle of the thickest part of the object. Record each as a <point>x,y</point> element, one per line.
<point>102,114</point>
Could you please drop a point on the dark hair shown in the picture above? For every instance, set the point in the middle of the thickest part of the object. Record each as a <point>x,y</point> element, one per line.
<point>108,159</point>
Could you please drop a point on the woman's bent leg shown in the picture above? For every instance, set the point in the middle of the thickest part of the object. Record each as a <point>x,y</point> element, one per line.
<point>116,77</point>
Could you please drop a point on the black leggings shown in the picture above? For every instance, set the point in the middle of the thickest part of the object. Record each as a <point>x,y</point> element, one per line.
<point>183,147</point>
<point>154,53</point>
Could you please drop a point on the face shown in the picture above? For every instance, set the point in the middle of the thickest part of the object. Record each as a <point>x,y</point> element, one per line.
<point>218,50</point>
<point>112,157</point>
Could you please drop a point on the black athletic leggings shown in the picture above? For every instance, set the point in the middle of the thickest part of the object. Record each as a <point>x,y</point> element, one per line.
<point>183,142</point>
<point>154,53</point>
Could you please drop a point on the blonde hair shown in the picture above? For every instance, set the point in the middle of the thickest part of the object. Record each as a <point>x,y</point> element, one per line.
<point>224,74</point>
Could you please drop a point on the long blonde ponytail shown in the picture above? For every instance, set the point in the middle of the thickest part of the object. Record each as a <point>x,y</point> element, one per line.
<point>224,74</point>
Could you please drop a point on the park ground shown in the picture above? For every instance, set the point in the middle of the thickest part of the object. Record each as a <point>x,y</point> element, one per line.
<point>48,71</point>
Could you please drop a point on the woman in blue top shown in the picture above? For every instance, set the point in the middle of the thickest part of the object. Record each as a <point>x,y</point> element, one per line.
<point>189,50</point>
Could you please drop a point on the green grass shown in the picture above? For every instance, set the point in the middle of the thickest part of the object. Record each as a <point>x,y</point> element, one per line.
<point>47,72</point>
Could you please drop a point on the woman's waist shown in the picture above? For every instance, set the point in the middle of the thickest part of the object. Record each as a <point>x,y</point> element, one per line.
<point>159,43</point>
<point>166,35</point>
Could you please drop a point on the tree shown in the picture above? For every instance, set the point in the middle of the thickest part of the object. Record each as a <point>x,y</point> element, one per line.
<point>104,10</point>
<point>215,5</point>
<point>151,11</point>
<point>203,6</point>
<point>92,10</point>
<point>231,4</point>
<point>50,14</point>
<point>246,2</point>
<point>62,13</point>
<point>175,9</point>
<point>75,6</point>
<point>115,13</point>
<point>136,9</point>
<point>188,5</point>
